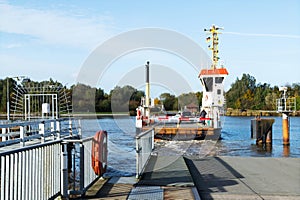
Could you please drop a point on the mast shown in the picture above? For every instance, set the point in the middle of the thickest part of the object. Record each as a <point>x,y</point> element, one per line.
<point>213,100</point>
<point>214,44</point>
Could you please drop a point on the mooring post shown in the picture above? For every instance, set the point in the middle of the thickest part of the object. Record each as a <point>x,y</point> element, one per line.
<point>286,151</point>
<point>269,137</point>
<point>285,129</point>
<point>261,130</point>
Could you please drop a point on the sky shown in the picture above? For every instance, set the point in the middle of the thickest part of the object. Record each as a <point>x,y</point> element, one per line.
<point>54,39</point>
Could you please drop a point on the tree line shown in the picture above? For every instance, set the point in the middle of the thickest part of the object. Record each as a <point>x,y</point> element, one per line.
<point>244,93</point>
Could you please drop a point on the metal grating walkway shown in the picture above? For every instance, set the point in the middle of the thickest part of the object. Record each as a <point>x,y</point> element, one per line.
<point>146,192</point>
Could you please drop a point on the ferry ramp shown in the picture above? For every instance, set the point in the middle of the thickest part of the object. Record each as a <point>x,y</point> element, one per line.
<point>206,178</point>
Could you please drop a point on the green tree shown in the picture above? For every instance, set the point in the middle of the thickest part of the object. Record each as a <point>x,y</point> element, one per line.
<point>260,93</point>
<point>83,98</point>
<point>168,101</point>
<point>188,98</point>
<point>241,93</point>
<point>270,101</point>
<point>125,99</point>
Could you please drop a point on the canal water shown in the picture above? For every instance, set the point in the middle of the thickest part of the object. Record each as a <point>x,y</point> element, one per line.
<point>236,141</point>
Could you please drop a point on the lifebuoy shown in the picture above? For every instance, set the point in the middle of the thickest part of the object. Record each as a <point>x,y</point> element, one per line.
<point>99,153</point>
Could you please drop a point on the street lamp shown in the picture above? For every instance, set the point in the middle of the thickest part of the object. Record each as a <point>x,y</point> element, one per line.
<point>7,93</point>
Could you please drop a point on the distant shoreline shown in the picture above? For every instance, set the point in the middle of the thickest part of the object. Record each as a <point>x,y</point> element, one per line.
<point>229,113</point>
<point>254,113</point>
<point>90,115</point>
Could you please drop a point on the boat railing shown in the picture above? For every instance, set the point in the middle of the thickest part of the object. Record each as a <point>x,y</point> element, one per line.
<point>144,147</point>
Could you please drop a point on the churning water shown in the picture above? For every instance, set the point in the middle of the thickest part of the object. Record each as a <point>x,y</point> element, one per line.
<point>236,141</point>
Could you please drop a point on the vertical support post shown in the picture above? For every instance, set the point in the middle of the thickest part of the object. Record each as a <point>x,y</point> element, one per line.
<point>70,126</point>
<point>285,129</point>
<point>25,112</point>
<point>79,129</point>
<point>42,131</point>
<point>53,96</point>
<point>137,158</point>
<point>7,97</point>
<point>4,132</point>
<point>152,138</point>
<point>22,134</point>
<point>64,171</point>
<point>56,107</point>
<point>81,180</point>
<point>147,105</point>
<point>58,129</point>
<point>52,128</point>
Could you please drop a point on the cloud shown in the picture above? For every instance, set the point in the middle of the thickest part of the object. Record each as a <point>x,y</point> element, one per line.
<point>12,45</point>
<point>264,35</point>
<point>36,69</point>
<point>55,27</point>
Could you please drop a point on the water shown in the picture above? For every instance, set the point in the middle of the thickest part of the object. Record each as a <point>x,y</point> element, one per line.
<point>235,141</point>
<point>121,142</point>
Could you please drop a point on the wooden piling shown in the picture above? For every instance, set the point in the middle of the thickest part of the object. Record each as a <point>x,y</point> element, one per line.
<point>261,130</point>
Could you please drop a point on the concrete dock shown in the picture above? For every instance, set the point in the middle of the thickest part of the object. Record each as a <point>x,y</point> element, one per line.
<point>178,177</point>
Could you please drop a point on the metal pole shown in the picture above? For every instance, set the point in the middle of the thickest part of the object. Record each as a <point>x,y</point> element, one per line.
<point>64,171</point>
<point>42,131</point>
<point>285,129</point>
<point>53,96</point>
<point>7,97</point>
<point>147,105</point>
<point>56,107</point>
<point>22,135</point>
<point>58,129</point>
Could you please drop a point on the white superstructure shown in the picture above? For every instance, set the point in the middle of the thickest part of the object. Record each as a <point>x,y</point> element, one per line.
<point>213,101</point>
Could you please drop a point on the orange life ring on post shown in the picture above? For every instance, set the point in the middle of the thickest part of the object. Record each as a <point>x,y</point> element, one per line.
<point>99,153</point>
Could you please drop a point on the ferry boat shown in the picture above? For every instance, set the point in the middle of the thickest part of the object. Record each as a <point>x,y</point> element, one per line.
<point>208,124</point>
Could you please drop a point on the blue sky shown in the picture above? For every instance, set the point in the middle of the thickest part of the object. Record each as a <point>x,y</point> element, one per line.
<point>43,39</point>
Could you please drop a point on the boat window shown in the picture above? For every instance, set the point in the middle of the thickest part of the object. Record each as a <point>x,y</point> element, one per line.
<point>208,82</point>
<point>219,79</point>
<point>218,91</point>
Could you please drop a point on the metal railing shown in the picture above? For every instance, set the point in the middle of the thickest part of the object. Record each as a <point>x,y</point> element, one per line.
<point>47,170</point>
<point>144,147</point>
<point>82,171</point>
<point>38,167</point>
<point>50,161</point>
<point>38,131</point>
<point>31,172</point>
<point>286,104</point>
